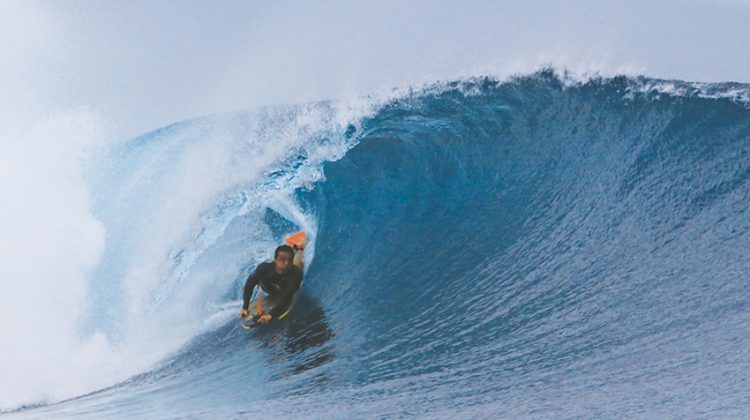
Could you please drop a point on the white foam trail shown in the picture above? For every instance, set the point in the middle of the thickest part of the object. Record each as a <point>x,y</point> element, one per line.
<point>183,215</point>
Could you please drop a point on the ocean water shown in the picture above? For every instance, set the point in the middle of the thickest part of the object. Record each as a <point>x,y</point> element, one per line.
<point>533,247</point>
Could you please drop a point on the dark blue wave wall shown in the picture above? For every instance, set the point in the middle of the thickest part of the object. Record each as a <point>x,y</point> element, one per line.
<point>496,240</point>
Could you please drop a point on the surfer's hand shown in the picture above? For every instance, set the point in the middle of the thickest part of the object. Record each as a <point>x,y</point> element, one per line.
<point>243,313</point>
<point>264,319</point>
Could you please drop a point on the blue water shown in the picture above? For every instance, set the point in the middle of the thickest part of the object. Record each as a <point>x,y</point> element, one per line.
<point>536,247</point>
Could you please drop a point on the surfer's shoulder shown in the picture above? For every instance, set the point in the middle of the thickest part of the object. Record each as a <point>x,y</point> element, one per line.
<point>265,266</point>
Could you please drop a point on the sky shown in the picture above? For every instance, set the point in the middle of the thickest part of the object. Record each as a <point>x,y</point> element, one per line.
<point>140,65</point>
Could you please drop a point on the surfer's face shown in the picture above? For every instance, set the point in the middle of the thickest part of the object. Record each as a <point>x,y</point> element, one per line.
<point>283,262</point>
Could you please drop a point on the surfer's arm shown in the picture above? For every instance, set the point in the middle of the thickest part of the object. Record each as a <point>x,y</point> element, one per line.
<point>250,284</point>
<point>299,259</point>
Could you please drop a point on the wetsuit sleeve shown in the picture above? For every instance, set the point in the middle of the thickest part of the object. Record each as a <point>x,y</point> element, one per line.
<point>250,284</point>
<point>287,296</point>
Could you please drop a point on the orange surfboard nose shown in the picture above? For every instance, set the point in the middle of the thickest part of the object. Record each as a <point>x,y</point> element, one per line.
<point>299,239</point>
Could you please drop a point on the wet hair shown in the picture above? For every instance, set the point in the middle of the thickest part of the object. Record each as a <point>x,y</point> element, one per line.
<point>283,248</point>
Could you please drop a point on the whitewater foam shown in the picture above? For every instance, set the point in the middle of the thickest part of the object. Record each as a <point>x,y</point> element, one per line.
<point>84,313</point>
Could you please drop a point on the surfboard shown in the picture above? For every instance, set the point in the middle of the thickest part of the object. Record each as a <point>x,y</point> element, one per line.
<point>251,321</point>
<point>298,239</point>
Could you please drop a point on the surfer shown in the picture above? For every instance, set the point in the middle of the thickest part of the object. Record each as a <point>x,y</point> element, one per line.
<point>279,279</point>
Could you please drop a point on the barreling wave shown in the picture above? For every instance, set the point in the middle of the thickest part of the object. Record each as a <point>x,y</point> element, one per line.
<point>532,247</point>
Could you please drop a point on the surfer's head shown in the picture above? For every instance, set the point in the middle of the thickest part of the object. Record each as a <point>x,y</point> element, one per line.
<point>282,258</point>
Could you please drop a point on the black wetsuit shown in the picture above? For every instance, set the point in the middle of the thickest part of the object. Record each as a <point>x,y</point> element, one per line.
<point>280,287</point>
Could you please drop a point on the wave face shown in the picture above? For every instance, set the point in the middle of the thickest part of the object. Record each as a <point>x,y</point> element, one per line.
<point>534,247</point>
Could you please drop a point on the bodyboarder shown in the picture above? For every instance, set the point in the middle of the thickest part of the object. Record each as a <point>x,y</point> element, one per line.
<point>278,281</point>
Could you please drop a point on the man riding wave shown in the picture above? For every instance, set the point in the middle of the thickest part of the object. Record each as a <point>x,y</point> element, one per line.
<point>279,280</point>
